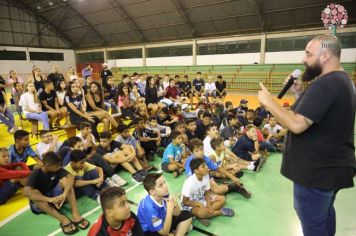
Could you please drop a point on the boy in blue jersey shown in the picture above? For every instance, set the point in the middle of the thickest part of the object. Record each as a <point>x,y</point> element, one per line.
<point>172,156</point>
<point>159,215</point>
<point>21,150</point>
<point>196,147</point>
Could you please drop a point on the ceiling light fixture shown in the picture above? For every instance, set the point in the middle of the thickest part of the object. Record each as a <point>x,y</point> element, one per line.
<point>50,3</point>
<point>39,7</point>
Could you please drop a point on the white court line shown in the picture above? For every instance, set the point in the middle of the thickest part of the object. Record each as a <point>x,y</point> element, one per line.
<point>13,216</point>
<point>91,211</point>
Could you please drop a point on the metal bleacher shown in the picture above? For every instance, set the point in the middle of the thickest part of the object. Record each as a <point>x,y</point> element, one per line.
<point>241,78</point>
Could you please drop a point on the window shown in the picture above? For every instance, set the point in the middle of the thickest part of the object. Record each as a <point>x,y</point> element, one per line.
<point>46,56</point>
<point>287,44</point>
<point>247,46</point>
<point>348,40</point>
<point>13,55</point>
<point>172,51</point>
<point>90,57</point>
<point>125,54</point>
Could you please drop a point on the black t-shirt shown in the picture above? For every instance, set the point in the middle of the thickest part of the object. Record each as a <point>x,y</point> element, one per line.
<point>77,102</point>
<point>220,86</point>
<point>55,77</point>
<point>45,182</point>
<point>114,146</point>
<point>185,86</point>
<point>323,156</point>
<point>198,84</point>
<point>49,97</point>
<point>243,147</point>
<point>151,95</point>
<point>130,226</point>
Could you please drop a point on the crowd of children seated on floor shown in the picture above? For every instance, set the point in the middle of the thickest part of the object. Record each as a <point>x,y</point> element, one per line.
<point>210,142</point>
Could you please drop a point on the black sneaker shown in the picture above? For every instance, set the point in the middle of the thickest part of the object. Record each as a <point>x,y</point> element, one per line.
<point>240,190</point>
<point>138,177</point>
<point>259,163</point>
<point>160,152</point>
<point>239,174</point>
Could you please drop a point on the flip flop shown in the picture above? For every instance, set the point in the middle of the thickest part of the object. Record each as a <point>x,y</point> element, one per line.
<point>73,231</point>
<point>79,224</point>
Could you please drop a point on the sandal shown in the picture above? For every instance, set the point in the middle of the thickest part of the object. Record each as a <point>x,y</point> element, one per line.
<point>73,231</point>
<point>80,223</point>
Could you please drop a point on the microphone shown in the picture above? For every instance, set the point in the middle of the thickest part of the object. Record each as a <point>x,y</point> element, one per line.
<point>296,73</point>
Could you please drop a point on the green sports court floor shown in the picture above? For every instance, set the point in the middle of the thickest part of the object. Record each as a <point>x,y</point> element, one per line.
<point>269,211</point>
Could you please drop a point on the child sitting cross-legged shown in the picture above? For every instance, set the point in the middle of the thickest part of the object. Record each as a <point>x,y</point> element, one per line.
<point>11,176</point>
<point>227,162</point>
<point>196,147</point>
<point>116,153</point>
<point>159,215</point>
<point>48,188</point>
<point>172,157</point>
<point>89,179</point>
<point>196,194</point>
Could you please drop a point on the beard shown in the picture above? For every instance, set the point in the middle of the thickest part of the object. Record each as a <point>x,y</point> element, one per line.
<point>311,71</point>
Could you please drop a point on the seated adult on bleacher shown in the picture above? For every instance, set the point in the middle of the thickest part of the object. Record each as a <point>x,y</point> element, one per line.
<point>37,79</point>
<point>31,106</point>
<point>77,109</point>
<point>49,100</point>
<point>220,85</point>
<point>109,95</point>
<point>198,86</point>
<point>96,106</point>
<point>55,76</point>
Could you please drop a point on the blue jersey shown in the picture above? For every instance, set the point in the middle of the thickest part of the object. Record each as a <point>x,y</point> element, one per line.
<point>172,151</point>
<point>151,214</point>
<point>210,163</point>
<point>16,157</point>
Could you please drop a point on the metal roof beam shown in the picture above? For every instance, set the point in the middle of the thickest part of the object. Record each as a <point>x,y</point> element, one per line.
<point>183,14</point>
<point>127,18</point>
<point>19,4</point>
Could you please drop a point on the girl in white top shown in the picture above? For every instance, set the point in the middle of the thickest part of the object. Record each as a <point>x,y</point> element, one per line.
<point>31,106</point>
<point>61,92</point>
<point>72,75</point>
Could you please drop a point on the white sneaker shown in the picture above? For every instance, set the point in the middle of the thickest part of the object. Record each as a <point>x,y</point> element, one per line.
<point>110,182</point>
<point>118,180</point>
<point>98,199</point>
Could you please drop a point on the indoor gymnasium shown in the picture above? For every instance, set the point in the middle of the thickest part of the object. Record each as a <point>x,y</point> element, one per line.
<point>177,117</point>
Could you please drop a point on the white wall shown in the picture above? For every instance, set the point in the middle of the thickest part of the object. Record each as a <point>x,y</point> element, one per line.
<point>127,62</point>
<point>347,55</point>
<point>228,59</point>
<point>169,61</point>
<point>25,67</point>
<point>284,57</point>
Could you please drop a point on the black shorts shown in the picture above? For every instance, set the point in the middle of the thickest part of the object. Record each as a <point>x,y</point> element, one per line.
<point>184,215</point>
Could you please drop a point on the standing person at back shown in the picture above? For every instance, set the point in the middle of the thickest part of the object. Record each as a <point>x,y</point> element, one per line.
<point>55,76</point>
<point>319,155</point>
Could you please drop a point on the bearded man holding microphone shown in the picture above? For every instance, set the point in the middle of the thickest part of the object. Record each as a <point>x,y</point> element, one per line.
<point>319,155</point>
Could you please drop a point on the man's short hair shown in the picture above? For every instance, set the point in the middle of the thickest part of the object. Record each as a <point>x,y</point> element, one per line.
<point>122,127</point>
<point>194,143</point>
<point>84,124</point>
<point>72,141</point>
<point>77,155</point>
<point>108,197</point>
<point>195,163</point>
<point>149,182</point>
<point>51,158</point>
<point>330,43</point>
<point>216,142</point>
<point>20,134</point>
<point>105,135</point>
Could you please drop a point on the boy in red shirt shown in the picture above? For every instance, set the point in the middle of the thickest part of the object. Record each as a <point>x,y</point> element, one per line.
<point>11,176</point>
